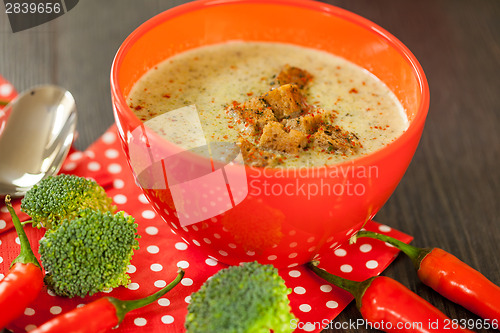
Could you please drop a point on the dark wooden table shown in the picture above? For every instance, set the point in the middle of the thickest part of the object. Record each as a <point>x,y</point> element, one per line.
<point>450,195</point>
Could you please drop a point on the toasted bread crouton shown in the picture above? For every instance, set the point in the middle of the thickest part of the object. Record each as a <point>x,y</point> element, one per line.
<point>292,75</point>
<point>251,116</point>
<point>274,137</point>
<point>333,139</point>
<point>310,122</point>
<point>254,156</point>
<point>286,101</point>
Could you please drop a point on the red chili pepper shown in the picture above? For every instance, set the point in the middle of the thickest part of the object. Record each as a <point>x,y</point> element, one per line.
<point>23,282</point>
<point>389,306</point>
<point>102,314</point>
<point>3,102</point>
<point>450,277</point>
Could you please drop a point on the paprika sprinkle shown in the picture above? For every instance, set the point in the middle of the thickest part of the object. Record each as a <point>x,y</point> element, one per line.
<point>450,277</point>
<point>389,306</point>
<point>102,314</point>
<point>23,282</point>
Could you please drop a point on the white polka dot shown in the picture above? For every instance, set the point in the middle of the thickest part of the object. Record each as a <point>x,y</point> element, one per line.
<point>133,286</point>
<point>111,153</point>
<point>206,240</point>
<point>332,304</point>
<point>272,257</point>
<point>365,248</point>
<point>156,267</point>
<point>114,168</point>
<point>2,276</point>
<point>305,307</point>
<point>153,249</point>
<point>75,156</point>
<point>292,255</point>
<point>211,262</point>
<point>50,292</point>
<point>294,244</point>
<point>140,321</point>
<point>183,264</point>
<point>187,282</point>
<point>346,268</point>
<point>3,224</point>
<point>371,264</point>
<point>340,252</point>
<point>143,199</point>
<point>294,273</point>
<point>164,302</point>
<point>108,137</point>
<point>231,245</point>
<point>29,311</point>
<point>148,214</point>
<point>131,269</point>
<point>326,288</point>
<point>299,290</point>
<point>18,241</point>
<point>55,310</point>
<point>1,260</point>
<point>160,283</point>
<point>167,319</point>
<point>69,166</point>
<point>30,327</point>
<point>151,230</point>
<point>295,264</point>
<point>118,183</point>
<point>195,242</point>
<point>309,327</point>
<point>181,246</point>
<point>334,245</point>
<point>187,299</point>
<point>4,209</point>
<point>81,305</point>
<point>384,228</point>
<point>223,253</point>
<point>329,239</point>
<point>218,236</point>
<point>107,290</point>
<point>6,89</point>
<point>93,166</point>
<point>120,199</point>
<point>250,253</point>
<point>310,239</point>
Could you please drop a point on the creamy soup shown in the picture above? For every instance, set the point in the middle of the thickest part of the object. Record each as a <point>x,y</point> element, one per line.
<point>212,78</point>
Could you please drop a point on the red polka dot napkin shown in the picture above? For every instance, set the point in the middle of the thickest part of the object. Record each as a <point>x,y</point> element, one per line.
<point>314,302</point>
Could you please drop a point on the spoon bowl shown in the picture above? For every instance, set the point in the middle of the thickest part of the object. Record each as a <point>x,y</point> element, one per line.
<point>36,137</point>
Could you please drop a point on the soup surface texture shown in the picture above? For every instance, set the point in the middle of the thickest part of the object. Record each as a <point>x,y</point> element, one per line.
<point>212,78</point>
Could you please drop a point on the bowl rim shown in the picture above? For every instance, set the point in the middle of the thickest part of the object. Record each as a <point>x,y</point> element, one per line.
<point>415,126</point>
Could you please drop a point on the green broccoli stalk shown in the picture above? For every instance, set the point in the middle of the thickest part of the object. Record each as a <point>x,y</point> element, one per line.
<point>89,254</point>
<point>250,298</point>
<point>61,197</point>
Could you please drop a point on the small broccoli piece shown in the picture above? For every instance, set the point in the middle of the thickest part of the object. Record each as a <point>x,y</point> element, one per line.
<point>89,254</point>
<point>250,298</point>
<point>60,197</point>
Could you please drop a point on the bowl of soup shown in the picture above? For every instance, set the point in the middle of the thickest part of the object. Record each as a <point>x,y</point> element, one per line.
<point>269,131</point>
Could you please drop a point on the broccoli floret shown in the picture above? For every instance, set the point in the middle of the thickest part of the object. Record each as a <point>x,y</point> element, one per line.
<point>89,254</point>
<point>61,197</point>
<point>250,298</point>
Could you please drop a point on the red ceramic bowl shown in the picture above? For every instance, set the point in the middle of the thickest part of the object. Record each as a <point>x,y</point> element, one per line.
<point>282,218</point>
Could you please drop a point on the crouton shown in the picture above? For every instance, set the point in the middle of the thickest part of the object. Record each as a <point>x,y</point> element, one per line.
<point>292,75</point>
<point>310,122</point>
<point>274,137</point>
<point>334,139</point>
<point>251,116</point>
<point>286,101</point>
<point>254,156</point>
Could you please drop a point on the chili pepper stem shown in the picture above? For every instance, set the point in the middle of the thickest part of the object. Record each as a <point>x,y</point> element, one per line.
<point>416,254</point>
<point>356,289</point>
<point>123,307</point>
<point>26,255</point>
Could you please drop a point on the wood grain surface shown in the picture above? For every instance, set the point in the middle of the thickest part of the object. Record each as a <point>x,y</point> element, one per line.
<point>450,194</point>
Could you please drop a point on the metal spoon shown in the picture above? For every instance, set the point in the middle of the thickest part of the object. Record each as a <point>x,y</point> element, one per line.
<point>36,138</point>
